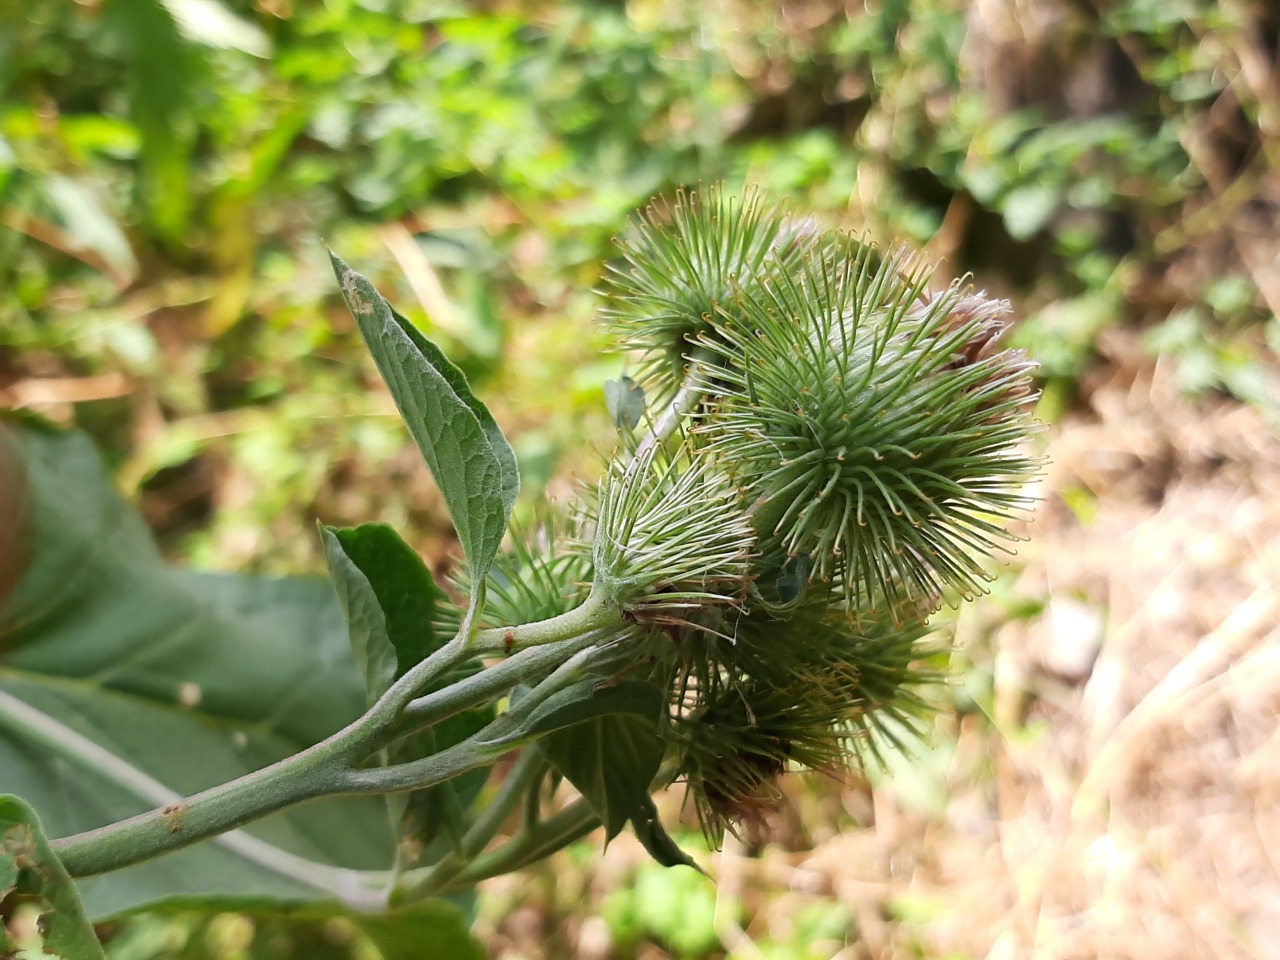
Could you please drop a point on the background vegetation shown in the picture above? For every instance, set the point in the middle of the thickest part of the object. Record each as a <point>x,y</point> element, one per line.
<point>168,167</point>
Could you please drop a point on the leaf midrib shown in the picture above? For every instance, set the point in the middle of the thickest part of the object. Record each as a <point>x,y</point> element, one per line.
<point>216,719</point>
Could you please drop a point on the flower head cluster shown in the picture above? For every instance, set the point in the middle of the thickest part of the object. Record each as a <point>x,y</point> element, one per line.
<point>852,452</point>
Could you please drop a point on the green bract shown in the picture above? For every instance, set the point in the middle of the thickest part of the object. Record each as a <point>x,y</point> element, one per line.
<point>753,694</point>
<point>538,576</point>
<point>671,535</point>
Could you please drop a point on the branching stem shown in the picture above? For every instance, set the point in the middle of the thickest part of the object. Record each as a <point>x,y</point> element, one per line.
<point>332,766</point>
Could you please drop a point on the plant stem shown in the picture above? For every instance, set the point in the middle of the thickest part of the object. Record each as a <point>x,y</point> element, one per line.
<point>356,888</point>
<point>572,823</point>
<point>481,748</point>
<point>490,683</point>
<point>532,843</point>
<point>686,400</point>
<point>329,767</point>
<point>593,613</point>
<point>227,806</point>
<point>524,776</point>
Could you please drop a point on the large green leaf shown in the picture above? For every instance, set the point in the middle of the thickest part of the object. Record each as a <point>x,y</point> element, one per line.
<point>433,928</point>
<point>29,872</point>
<point>470,458</point>
<point>322,931</point>
<point>125,682</point>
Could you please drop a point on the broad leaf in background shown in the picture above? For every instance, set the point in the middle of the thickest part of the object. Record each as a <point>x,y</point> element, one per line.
<point>611,757</point>
<point>434,928</point>
<point>470,458</point>
<point>394,608</point>
<point>424,931</point>
<point>124,681</point>
<point>31,874</point>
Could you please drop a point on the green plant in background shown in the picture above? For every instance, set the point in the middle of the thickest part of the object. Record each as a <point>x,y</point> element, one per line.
<point>1105,167</point>
<point>744,591</point>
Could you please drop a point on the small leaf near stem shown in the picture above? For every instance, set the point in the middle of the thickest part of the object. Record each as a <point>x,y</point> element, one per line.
<point>370,641</point>
<point>625,399</point>
<point>29,871</point>
<point>692,391</point>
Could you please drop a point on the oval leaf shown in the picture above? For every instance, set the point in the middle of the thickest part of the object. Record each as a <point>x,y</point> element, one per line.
<point>470,458</point>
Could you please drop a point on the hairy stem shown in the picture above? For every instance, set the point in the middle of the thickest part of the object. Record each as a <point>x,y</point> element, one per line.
<point>496,739</point>
<point>489,683</point>
<point>593,613</point>
<point>304,776</point>
<point>331,766</point>
<point>356,888</point>
<point>687,398</point>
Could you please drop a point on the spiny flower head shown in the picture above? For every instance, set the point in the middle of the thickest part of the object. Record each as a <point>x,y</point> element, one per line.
<point>670,534</point>
<point>535,577</point>
<point>809,691</point>
<point>875,428</point>
<point>684,263</point>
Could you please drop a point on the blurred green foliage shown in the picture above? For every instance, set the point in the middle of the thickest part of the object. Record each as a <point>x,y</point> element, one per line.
<point>167,168</point>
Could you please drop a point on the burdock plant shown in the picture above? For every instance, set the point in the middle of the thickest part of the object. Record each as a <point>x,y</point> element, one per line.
<point>820,445</point>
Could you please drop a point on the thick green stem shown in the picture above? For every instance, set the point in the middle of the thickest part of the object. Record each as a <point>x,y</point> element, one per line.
<point>225,807</point>
<point>330,767</point>
<point>592,614</point>
<point>498,738</point>
<point>490,683</point>
<point>523,778</point>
